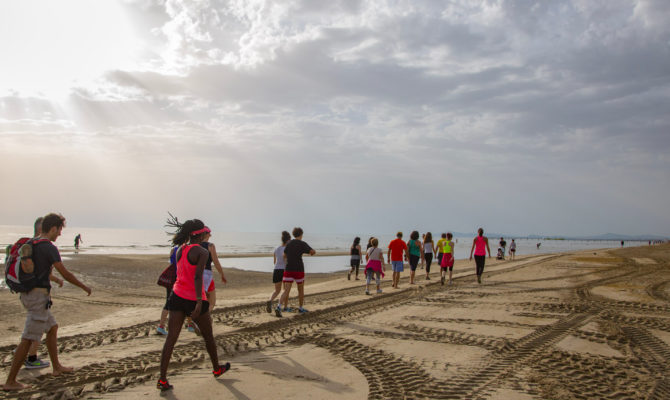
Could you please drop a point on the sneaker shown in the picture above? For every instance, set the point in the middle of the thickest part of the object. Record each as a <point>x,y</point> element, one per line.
<point>221,370</point>
<point>450,282</point>
<point>278,311</point>
<point>302,310</point>
<point>268,306</point>
<point>479,279</point>
<point>163,385</point>
<point>161,330</point>
<point>36,364</point>
<point>379,291</point>
<point>427,278</point>
<point>442,281</point>
<point>288,309</point>
<point>367,292</point>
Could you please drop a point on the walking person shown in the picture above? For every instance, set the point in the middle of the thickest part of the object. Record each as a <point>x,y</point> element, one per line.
<point>208,275</point>
<point>294,271</point>
<point>188,296</point>
<point>355,261</point>
<point>374,266</point>
<point>280,265</point>
<point>77,240</point>
<point>428,249</point>
<point>37,301</point>
<point>480,245</point>
<point>512,249</point>
<point>396,253</point>
<point>439,250</point>
<point>415,255</point>
<point>447,259</point>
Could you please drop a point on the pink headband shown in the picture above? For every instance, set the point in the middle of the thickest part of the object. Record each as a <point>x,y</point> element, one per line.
<point>199,231</point>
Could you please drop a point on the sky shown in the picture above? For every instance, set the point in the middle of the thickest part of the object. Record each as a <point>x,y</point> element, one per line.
<point>523,117</point>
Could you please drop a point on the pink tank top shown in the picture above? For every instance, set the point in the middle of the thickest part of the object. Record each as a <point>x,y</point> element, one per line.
<point>480,246</point>
<point>184,287</point>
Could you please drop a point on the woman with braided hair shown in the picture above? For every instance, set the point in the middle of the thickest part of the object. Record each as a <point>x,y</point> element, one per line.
<point>188,295</point>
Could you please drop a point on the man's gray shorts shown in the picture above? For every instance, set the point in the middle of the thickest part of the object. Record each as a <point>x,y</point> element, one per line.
<point>39,319</point>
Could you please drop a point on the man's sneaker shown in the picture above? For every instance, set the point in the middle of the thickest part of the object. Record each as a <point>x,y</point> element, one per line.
<point>288,309</point>
<point>367,292</point>
<point>163,385</point>
<point>379,291</point>
<point>302,310</point>
<point>36,364</point>
<point>278,311</point>
<point>161,330</point>
<point>268,306</point>
<point>221,370</point>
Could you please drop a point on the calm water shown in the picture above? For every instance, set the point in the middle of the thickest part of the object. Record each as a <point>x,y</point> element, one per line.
<point>133,241</point>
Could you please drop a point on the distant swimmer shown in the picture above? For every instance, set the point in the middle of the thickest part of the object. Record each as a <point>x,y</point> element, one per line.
<point>189,296</point>
<point>294,271</point>
<point>538,245</point>
<point>280,265</point>
<point>480,245</point>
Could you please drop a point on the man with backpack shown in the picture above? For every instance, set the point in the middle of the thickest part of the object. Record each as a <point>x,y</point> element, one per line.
<point>38,257</point>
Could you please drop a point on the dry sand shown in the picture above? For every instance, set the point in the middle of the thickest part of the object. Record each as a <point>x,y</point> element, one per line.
<point>586,325</point>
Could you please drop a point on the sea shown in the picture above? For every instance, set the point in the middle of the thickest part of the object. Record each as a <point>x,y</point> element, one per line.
<point>231,245</point>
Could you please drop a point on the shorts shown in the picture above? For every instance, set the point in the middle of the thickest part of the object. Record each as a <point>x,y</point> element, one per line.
<point>208,280</point>
<point>355,263</point>
<point>398,266</point>
<point>277,275</point>
<point>176,303</point>
<point>512,250</point>
<point>414,261</point>
<point>297,276</point>
<point>39,320</point>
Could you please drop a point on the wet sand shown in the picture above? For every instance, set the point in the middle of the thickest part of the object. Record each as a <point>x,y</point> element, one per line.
<point>591,324</point>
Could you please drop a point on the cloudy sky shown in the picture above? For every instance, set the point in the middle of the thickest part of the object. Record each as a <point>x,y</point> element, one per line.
<point>548,117</point>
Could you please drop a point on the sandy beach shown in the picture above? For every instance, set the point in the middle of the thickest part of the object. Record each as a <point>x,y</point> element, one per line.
<point>585,325</point>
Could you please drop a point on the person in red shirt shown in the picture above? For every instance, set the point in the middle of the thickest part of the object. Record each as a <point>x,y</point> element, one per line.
<point>396,254</point>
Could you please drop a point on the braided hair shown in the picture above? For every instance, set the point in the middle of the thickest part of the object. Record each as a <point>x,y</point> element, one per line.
<point>184,231</point>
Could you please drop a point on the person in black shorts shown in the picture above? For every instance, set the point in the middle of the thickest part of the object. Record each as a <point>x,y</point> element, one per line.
<point>280,265</point>
<point>355,252</point>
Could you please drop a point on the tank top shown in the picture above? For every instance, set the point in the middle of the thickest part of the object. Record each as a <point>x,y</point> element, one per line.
<point>205,245</point>
<point>184,287</point>
<point>447,248</point>
<point>414,248</point>
<point>428,247</point>
<point>279,256</point>
<point>480,246</point>
<point>355,254</point>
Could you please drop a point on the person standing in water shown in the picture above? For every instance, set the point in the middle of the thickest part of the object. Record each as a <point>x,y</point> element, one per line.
<point>480,245</point>
<point>355,261</point>
<point>428,248</point>
<point>77,240</point>
<point>280,265</point>
<point>189,297</point>
<point>512,249</point>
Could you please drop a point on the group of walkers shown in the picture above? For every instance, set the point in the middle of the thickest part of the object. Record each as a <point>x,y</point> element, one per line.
<point>190,287</point>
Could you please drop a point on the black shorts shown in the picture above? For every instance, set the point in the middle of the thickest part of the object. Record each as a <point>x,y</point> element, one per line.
<point>414,261</point>
<point>355,263</point>
<point>277,275</point>
<point>176,303</point>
